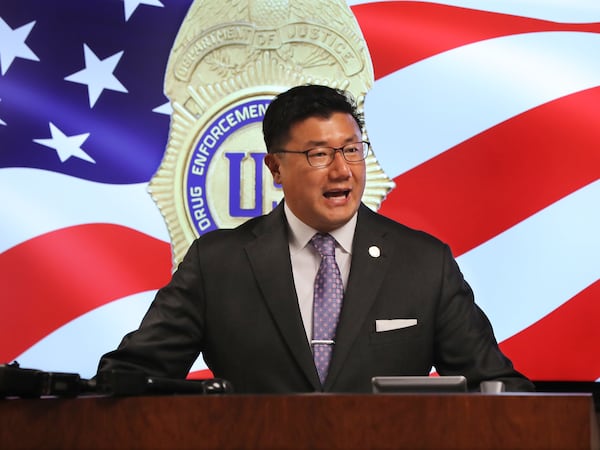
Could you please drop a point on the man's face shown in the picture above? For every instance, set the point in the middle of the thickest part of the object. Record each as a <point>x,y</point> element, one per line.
<point>323,198</point>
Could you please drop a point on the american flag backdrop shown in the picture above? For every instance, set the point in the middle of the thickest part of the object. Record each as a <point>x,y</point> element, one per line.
<point>485,113</point>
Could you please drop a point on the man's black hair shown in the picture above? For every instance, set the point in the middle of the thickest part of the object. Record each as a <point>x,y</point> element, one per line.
<point>300,103</point>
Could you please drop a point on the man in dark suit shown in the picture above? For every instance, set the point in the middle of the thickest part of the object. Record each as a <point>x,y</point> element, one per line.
<point>244,297</point>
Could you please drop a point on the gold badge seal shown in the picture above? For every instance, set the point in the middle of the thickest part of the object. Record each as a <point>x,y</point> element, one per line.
<point>229,60</point>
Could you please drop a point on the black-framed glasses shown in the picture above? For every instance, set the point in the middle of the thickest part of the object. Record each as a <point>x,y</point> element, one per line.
<point>324,156</point>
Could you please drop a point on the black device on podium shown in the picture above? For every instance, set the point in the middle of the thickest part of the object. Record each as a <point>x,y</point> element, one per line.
<point>33,383</point>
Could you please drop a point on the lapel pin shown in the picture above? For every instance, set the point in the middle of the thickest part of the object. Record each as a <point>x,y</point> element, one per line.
<point>374,251</point>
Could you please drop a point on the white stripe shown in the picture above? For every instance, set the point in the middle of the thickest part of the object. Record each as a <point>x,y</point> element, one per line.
<point>77,346</point>
<point>532,268</point>
<point>37,201</point>
<point>568,11</point>
<point>422,110</point>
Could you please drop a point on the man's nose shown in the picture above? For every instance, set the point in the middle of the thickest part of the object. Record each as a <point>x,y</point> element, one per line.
<point>339,166</point>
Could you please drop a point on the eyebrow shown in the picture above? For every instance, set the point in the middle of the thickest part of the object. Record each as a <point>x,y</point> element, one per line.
<point>348,140</point>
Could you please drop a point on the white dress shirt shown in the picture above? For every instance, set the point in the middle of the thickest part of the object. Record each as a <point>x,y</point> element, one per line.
<point>306,260</point>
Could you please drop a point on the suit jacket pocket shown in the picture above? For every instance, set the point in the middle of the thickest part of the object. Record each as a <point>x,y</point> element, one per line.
<point>394,336</point>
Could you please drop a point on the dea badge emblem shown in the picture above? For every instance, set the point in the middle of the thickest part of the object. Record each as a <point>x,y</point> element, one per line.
<point>229,60</point>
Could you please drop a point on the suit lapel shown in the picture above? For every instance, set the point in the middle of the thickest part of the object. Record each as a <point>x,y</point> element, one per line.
<point>366,275</point>
<point>270,260</point>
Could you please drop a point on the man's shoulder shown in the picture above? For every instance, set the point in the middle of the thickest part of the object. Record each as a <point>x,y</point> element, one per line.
<point>376,222</point>
<point>244,232</point>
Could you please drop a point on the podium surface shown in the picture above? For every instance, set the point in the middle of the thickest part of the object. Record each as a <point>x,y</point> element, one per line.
<point>310,421</point>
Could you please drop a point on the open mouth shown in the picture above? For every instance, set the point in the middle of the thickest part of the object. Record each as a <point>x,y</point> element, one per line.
<point>337,194</point>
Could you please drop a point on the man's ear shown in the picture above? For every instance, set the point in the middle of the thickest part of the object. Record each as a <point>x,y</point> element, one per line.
<point>272,162</point>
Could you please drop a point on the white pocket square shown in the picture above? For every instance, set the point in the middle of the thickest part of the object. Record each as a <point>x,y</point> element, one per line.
<point>393,324</point>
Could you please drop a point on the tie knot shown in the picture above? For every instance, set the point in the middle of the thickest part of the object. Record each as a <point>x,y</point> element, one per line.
<point>324,243</point>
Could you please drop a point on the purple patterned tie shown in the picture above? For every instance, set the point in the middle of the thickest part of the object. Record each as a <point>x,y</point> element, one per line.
<point>328,295</point>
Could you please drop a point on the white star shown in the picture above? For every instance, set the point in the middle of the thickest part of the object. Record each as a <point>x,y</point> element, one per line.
<point>66,146</point>
<point>165,109</point>
<point>131,6</point>
<point>12,44</point>
<point>98,74</point>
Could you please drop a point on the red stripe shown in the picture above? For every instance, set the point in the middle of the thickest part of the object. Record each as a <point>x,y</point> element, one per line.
<point>200,375</point>
<point>56,277</point>
<point>474,191</point>
<point>563,346</point>
<point>402,33</point>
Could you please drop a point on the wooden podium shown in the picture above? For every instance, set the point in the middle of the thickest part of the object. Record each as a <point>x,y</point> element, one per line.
<point>312,421</point>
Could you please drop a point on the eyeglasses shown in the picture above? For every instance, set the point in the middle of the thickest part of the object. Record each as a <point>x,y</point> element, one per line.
<point>324,156</point>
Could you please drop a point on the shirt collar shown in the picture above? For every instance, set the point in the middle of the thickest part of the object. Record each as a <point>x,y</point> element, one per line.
<point>300,233</point>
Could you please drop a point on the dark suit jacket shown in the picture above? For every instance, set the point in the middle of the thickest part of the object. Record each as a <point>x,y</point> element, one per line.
<point>233,299</point>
